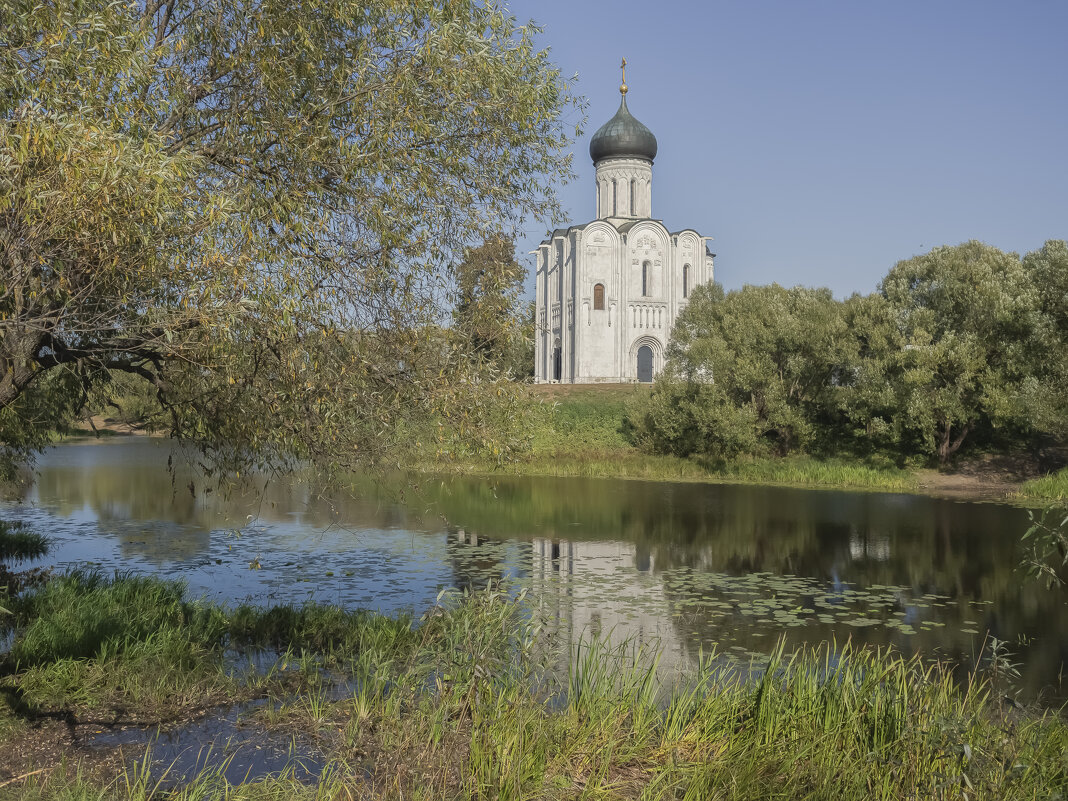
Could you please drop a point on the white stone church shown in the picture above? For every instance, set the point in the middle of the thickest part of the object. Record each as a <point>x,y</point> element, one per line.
<point>608,291</point>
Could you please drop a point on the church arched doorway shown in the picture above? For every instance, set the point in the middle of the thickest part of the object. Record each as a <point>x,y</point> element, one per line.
<point>557,364</point>
<point>645,364</point>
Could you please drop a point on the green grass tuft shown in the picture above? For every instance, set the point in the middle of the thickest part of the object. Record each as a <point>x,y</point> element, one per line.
<point>18,544</point>
<point>319,629</point>
<point>1052,487</point>
<point>85,615</point>
<point>581,430</point>
<point>467,705</point>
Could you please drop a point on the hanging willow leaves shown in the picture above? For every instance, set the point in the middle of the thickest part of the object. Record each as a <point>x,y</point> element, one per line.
<point>252,206</point>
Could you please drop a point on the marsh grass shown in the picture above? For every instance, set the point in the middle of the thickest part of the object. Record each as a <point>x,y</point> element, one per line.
<point>832,722</point>
<point>469,703</point>
<point>85,640</point>
<point>826,723</point>
<point>809,470</point>
<point>325,630</point>
<point>87,615</point>
<point>1052,487</point>
<point>19,544</point>
<point>800,471</point>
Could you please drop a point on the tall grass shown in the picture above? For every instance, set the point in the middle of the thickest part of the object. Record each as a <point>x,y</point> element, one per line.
<point>1052,487</point>
<point>318,628</point>
<point>18,543</point>
<point>465,705</point>
<point>808,470</point>
<point>88,640</point>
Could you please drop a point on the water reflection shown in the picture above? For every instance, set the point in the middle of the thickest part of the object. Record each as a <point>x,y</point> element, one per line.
<point>685,564</point>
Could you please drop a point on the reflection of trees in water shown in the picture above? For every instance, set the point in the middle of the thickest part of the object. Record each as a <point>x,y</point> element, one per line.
<point>960,549</point>
<point>162,509</point>
<point>965,551</point>
<point>932,547</point>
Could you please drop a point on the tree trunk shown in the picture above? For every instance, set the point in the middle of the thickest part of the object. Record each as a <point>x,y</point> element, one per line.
<point>19,365</point>
<point>949,446</point>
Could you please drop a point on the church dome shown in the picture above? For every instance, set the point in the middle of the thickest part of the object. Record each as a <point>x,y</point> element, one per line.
<point>623,137</point>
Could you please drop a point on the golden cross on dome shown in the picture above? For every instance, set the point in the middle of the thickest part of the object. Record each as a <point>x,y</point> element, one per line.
<point>623,86</point>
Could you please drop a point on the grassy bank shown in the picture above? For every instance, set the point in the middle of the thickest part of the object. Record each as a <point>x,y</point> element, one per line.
<point>581,431</point>
<point>1052,487</point>
<point>465,704</point>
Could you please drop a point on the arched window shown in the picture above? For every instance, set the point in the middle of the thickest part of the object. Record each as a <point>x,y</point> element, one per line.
<point>686,280</point>
<point>645,279</point>
<point>598,297</point>
<point>633,197</point>
<point>615,208</point>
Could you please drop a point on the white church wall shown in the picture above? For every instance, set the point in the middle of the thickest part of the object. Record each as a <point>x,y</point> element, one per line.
<point>598,256</point>
<point>688,266</point>
<point>648,252</point>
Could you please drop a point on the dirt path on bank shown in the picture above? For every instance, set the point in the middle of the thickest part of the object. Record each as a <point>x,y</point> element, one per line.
<point>965,487</point>
<point>110,424</point>
<point>989,477</point>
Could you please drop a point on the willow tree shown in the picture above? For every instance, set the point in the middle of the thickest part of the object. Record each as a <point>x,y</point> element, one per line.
<point>965,317</point>
<point>250,204</point>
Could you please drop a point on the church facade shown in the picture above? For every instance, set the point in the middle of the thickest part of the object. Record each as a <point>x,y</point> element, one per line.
<point>608,291</point>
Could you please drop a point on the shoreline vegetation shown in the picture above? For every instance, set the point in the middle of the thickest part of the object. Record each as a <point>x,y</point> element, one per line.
<point>581,430</point>
<point>477,699</point>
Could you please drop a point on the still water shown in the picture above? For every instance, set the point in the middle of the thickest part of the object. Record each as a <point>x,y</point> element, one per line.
<point>682,566</point>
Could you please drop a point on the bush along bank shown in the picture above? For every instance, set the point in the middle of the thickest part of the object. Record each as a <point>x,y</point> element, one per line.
<point>601,431</point>
<point>960,352</point>
<point>588,431</point>
<point>471,702</point>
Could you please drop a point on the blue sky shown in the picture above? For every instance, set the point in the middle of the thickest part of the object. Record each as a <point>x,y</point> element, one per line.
<point>821,142</point>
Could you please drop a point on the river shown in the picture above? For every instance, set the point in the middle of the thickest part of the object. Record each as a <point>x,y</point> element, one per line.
<point>684,566</point>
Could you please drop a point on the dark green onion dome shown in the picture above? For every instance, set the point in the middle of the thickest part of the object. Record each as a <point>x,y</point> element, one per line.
<point>623,137</point>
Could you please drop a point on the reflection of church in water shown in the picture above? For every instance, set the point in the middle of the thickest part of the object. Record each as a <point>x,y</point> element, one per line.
<point>567,581</point>
<point>570,579</point>
<point>608,291</point>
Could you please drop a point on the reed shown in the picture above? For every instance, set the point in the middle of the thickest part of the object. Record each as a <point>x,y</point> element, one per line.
<point>468,704</point>
<point>1051,487</point>
<point>18,543</point>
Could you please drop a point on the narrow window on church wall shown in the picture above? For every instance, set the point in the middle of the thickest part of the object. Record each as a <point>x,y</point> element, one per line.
<point>598,297</point>
<point>645,279</point>
<point>633,199</point>
<point>686,280</point>
<point>614,198</point>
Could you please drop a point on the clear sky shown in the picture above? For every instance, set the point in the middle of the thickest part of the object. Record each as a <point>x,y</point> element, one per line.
<point>820,142</point>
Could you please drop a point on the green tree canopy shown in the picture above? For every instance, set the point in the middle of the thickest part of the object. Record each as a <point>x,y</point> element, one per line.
<point>252,205</point>
<point>965,316</point>
<point>1045,392</point>
<point>963,343</point>
<point>758,368</point>
<point>488,312</point>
